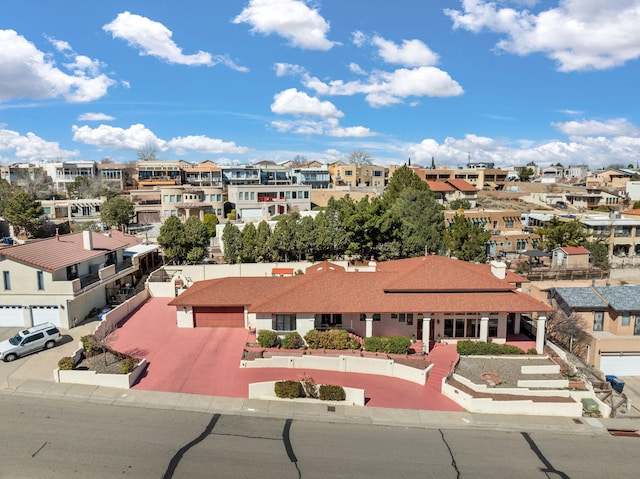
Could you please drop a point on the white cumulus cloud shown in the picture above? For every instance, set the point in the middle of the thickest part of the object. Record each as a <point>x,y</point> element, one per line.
<point>294,20</point>
<point>30,147</point>
<point>577,34</point>
<point>155,39</point>
<point>294,102</point>
<point>30,73</point>
<point>411,53</point>
<point>613,127</point>
<point>138,136</point>
<point>90,116</point>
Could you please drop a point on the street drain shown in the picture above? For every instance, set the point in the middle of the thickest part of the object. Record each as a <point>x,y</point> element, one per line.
<point>331,408</point>
<point>624,432</point>
<point>577,421</point>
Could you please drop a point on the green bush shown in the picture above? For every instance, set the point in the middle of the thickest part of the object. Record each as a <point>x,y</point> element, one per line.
<point>67,363</point>
<point>398,345</point>
<point>473,348</point>
<point>312,339</point>
<point>328,392</point>
<point>89,343</point>
<point>374,344</point>
<point>288,389</point>
<point>127,365</point>
<point>293,341</point>
<point>532,351</point>
<point>267,338</point>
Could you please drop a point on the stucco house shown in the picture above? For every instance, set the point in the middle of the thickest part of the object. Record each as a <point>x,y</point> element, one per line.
<point>425,297</point>
<point>570,257</point>
<point>612,316</point>
<point>61,279</point>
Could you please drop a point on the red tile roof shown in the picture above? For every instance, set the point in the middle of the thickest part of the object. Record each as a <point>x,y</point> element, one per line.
<point>440,186</point>
<point>462,185</point>
<point>54,253</point>
<point>429,284</point>
<point>574,249</point>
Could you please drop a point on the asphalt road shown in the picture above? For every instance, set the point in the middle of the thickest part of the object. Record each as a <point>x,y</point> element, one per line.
<point>46,438</point>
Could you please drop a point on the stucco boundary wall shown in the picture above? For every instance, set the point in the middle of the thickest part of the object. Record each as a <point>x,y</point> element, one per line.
<point>93,378</point>
<point>344,364</point>
<point>266,391</point>
<point>524,407</point>
<point>111,319</point>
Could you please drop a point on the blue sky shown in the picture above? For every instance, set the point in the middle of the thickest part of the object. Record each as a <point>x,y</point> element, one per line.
<point>509,81</point>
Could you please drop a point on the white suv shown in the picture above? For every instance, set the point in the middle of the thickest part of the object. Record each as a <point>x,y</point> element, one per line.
<point>42,336</point>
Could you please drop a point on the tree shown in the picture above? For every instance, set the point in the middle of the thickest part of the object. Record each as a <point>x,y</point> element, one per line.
<point>24,213</point>
<point>636,205</point>
<point>6,192</point>
<point>147,152</point>
<point>403,177</point>
<point>466,240</point>
<point>421,223</point>
<point>459,204</point>
<point>598,254</point>
<point>248,252</point>
<point>170,238</point>
<point>561,233</point>
<point>304,239</point>
<point>360,158</point>
<point>525,174</point>
<point>86,187</point>
<point>568,330</point>
<point>117,212</point>
<point>263,232</point>
<point>281,241</point>
<point>195,240</point>
<point>232,240</point>
<point>211,221</point>
<point>299,160</point>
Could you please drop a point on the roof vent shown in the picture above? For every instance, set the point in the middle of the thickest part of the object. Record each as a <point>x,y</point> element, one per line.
<point>499,269</point>
<point>87,240</point>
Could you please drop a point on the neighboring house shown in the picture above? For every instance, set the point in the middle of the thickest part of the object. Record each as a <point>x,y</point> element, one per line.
<point>611,178</point>
<point>481,178</point>
<point>427,298</point>
<point>450,190</point>
<point>612,314</point>
<point>112,175</point>
<point>241,175</point>
<point>204,174</point>
<point>316,177</point>
<point>80,210</point>
<point>63,278</point>
<point>23,174</point>
<point>509,236</point>
<point>186,201</point>
<point>152,173</point>
<point>65,173</point>
<point>621,234</point>
<point>264,201</point>
<point>570,257</point>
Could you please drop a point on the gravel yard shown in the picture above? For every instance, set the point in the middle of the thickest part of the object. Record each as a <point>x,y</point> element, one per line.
<point>507,369</point>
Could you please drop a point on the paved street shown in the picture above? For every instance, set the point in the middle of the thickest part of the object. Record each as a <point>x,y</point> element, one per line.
<point>65,439</point>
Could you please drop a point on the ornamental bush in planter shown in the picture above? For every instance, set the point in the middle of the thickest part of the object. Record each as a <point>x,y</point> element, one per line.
<point>267,338</point>
<point>127,365</point>
<point>288,389</point>
<point>67,363</point>
<point>374,344</point>
<point>473,348</point>
<point>293,340</point>
<point>328,392</point>
<point>397,345</point>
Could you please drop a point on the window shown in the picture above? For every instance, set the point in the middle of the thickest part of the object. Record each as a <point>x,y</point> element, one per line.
<point>40,277</point>
<point>72,272</point>
<point>495,224</point>
<point>376,317</point>
<point>508,223</point>
<point>7,280</point>
<point>165,198</point>
<point>626,318</point>
<point>598,320</point>
<point>331,319</point>
<point>33,338</point>
<point>348,173</point>
<point>493,328</point>
<point>377,173</point>
<point>460,327</point>
<point>448,328</point>
<point>172,198</point>
<point>473,331</point>
<point>284,322</point>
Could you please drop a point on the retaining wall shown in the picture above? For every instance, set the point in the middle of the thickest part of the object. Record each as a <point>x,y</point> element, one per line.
<point>266,390</point>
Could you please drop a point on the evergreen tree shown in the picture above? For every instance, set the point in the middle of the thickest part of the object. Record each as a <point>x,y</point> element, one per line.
<point>561,233</point>
<point>249,244</point>
<point>421,222</point>
<point>24,213</point>
<point>211,221</point>
<point>117,212</point>
<point>232,240</point>
<point>195,240</point>
<point>466,240</point>
<point>403,177</point>
<point>305,241</point>
<point>263,232</point>
<point>171,239</point>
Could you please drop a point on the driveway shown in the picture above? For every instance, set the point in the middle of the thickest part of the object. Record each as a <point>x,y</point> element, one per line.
<point>207,361</point>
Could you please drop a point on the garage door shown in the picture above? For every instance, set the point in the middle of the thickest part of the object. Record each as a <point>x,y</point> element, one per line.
<point>227,317</point>
<point>617,365</point>
<point>11,316</point>
<point>45,314</point>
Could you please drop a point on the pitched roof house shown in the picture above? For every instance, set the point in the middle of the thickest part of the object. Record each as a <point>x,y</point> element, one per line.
<point>61,279</point>
<point>421,297</point>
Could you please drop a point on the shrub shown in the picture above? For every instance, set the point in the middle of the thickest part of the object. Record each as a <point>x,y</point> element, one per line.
<point>328,392</point>
<point>398,345</point>
<point>374,344</point>
<point>288,389</point>
<point>473,348</point>
<point>67,363</point>
<point>532,351</point>
<point>293,340</point>
<point>267,338</point>
<point>312,339</point>
<point>127,365</point>
<point>89,343</point>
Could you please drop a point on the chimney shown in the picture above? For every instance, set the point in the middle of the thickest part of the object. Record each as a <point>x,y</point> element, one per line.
<point>499,269</point>
<point>87,240</point>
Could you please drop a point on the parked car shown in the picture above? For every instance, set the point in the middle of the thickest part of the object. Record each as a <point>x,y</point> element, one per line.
<point>561,205</point>
<point>42,336</point>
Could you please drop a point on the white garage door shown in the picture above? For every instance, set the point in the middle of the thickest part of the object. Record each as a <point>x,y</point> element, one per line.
<point>11,316</point>
<point>617,365</point>
<point>45,314</point>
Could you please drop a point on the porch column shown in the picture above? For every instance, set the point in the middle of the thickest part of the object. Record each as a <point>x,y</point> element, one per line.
<point>369,326</point>
<point>540,327</point>
<point>484,327</point>
<point>426,332</point>
<point>516,324</point>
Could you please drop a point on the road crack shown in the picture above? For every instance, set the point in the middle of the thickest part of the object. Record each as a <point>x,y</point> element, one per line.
<point>286,438</point>
<point>454,464</point>
<point>549,469</point>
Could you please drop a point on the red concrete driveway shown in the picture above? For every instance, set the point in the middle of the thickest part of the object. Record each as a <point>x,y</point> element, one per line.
<point>207,361</point>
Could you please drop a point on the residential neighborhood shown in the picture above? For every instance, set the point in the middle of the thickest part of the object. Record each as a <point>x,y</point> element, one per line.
<point>521,288</point>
